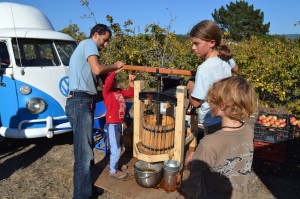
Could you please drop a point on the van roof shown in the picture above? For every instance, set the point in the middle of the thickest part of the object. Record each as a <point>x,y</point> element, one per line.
<point>23,16</point>
<point>34,33</point>
<point>26,22</point>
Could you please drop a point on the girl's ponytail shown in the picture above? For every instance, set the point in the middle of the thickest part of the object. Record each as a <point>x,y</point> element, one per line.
<point>224,52</point>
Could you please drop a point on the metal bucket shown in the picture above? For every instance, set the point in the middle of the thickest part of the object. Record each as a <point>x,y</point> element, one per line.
<point>171,165</point>
<point>171,168</point>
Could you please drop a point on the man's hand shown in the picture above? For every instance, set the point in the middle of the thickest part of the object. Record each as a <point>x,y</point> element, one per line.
<point>119,65</point>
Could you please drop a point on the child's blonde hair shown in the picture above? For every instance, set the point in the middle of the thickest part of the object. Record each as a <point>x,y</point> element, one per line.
<point>234,96</point>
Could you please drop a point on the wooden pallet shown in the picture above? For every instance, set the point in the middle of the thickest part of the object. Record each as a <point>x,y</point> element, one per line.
<point>127,188</point>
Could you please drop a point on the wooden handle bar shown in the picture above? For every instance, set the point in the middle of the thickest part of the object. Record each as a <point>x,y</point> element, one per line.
<point>169,71</point>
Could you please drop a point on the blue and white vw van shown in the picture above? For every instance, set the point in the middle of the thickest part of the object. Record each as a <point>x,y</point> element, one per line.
<point>34,69</point>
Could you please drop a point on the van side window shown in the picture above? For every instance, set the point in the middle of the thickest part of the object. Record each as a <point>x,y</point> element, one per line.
<point>35,52</point>
<point>4,55</point>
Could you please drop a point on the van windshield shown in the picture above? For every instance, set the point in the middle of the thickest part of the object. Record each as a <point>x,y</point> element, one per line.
<point>65,50</point>
<point>4,55</point>
<point>35,52</point>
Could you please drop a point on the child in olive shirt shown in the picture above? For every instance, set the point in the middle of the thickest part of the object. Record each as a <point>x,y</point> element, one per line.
<point>221,164</point>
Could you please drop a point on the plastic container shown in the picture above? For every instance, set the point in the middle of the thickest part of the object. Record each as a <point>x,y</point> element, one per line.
<point>270,134</point>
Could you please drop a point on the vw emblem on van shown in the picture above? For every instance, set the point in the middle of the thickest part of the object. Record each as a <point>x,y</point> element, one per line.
<point>64,86</point>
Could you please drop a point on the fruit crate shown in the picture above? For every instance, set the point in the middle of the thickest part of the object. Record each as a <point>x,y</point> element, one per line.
<point>271,128</point>
<point>284,170</point>
<point>292,170</point>
<point>294,122</point>
<point>268,167</point>
<point>269,151</point>
<point>293,154</point>
<point>294,150</point>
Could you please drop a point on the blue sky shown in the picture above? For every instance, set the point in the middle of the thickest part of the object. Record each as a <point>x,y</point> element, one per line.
<point>281,14</point>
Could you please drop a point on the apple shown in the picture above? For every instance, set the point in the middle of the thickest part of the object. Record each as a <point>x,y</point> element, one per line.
<point>263,116</point>
<point>264,121</point>
<point>277,123</point>
<point>295,122</point>
<point>292,119</point>
<point>282,120</point>
<point>260,118</point>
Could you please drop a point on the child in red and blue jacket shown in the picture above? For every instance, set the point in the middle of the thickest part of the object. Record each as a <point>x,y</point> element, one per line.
<point>114,100</point>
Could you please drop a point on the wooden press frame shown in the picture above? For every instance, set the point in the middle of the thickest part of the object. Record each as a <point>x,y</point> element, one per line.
<point>180,139</point>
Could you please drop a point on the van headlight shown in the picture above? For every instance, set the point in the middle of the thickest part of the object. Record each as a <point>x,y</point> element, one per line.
<point>36,105</point>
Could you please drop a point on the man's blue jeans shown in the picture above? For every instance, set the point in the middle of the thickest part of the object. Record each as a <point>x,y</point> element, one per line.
<point>79,111</point>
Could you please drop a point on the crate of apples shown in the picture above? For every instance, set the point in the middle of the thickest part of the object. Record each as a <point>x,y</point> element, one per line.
<point>294,121</point>
<point>295,127</point>
<point>271,128</point>
<point>272,120</point>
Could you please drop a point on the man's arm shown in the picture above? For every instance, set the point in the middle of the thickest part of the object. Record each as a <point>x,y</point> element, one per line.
<point>98,68</point>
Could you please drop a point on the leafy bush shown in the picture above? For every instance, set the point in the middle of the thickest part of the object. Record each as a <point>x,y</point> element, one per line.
<point>272,66</point>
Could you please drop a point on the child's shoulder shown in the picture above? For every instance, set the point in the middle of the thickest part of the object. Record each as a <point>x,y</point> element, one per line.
<point>210,138</point>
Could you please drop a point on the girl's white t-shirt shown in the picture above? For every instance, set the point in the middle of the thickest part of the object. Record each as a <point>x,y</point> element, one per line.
<point>210,71</point>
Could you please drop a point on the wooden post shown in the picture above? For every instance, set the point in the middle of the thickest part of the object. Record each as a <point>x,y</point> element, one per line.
<point>138,115</point>
<point>179,142</point>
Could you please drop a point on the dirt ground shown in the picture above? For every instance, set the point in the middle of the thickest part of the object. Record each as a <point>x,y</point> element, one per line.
<point>42,168</point>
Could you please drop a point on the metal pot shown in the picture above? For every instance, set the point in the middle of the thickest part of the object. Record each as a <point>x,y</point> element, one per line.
<point>148,175</point>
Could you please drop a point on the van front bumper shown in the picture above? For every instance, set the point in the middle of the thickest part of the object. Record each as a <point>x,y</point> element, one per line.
<point>48,131</point>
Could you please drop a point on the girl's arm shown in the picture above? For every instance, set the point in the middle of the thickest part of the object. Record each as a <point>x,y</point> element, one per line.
<point>194,101</point>
<point>129,93</point>
<point>235,69</point>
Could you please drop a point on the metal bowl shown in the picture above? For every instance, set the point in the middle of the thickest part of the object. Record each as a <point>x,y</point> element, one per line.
<point>148,175</point>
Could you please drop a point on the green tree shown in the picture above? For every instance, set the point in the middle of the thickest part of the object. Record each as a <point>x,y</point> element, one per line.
<point>240,21</point>
<point>74,31</point>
